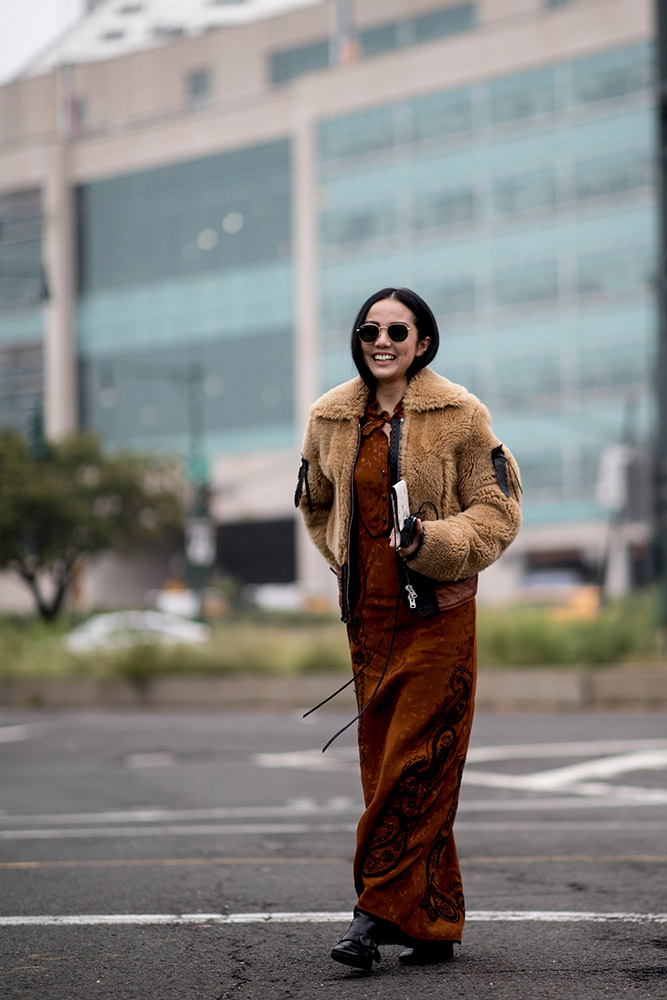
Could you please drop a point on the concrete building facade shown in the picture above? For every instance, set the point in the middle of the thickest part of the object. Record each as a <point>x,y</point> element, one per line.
<point>211,212</point>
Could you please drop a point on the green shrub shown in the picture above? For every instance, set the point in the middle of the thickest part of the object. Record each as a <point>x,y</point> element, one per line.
<point>529,636</point>
<point>275,644</point>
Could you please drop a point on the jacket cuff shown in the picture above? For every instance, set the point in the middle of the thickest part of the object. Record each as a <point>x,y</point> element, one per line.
<point>413,555</point>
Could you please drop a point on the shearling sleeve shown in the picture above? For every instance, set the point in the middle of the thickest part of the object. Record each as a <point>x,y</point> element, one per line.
<point>314,492</point>
<point>489,489</point>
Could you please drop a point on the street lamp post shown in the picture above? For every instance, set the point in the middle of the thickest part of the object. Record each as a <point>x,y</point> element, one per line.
<point>661,443</point>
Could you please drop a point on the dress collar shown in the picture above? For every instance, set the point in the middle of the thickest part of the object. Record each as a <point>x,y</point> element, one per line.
<point>372,420</point>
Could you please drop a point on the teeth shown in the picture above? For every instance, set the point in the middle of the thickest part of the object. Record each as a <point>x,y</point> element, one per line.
<point>383,357</point>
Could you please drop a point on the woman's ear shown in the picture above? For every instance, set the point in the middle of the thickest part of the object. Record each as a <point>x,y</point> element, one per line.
<point>422,345</point>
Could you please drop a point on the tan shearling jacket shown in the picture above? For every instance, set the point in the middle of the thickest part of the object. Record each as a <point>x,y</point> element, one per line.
<point>445,450</point>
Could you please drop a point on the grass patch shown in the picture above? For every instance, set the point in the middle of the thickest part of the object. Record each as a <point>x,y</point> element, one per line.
<point>283,644</point>
<point>31,650</point>
<point>624,631</point>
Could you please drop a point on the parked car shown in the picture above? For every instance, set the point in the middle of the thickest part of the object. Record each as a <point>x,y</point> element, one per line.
<point>119,629</point>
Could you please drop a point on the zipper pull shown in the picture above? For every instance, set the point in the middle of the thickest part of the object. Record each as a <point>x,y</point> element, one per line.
<point>412,595</point>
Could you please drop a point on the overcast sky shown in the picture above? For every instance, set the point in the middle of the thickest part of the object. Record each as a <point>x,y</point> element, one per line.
<point>28,26</point>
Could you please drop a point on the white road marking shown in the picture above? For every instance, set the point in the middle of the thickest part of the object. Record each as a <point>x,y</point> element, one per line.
<point>572,775</point>
<point>75,831</point>
<point>157,758</point>
<point>310,760</point>
<point>219,830</point>
<point>476,916</point>
<point>27,731</point>
<point>532,751</point>
<point>342,758</point>
<point>610,759</point>
<point>584,803</point>
<point>292,829</point>
<point>294,807</point>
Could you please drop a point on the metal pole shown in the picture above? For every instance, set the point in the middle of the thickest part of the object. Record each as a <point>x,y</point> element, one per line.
<point>661,287</point>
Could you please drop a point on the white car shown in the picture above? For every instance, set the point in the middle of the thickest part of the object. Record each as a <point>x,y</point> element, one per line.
<point>120,629</point>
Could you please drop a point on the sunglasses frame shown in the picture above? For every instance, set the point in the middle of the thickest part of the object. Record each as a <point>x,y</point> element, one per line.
<point>384,326</point>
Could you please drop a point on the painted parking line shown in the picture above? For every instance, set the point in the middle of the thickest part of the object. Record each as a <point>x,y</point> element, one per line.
<point>166,862</point>
<point>510,859</point>
<point>297,829</point>
<point>345,758</point>
<point>192,830</point>
<point>587,780</point>
<point>25,731</point>
<point>297,917</point>
<point>293,808</point>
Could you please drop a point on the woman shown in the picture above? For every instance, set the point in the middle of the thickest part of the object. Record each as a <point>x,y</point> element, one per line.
<point>409,609</point>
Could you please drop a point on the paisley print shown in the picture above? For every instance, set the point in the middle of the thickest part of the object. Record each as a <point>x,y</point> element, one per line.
<point>413,738</point>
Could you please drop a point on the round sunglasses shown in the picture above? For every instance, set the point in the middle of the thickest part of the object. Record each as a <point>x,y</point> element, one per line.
<point>369,332</point>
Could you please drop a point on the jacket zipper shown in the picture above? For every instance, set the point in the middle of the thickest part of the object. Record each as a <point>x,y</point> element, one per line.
<point>345,584</point>
<point>395,475</point>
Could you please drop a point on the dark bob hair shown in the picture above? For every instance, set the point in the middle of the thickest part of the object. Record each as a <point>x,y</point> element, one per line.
<point>426,327</point>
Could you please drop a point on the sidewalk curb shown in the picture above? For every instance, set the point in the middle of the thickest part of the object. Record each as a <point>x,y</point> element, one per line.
<point>614,688</point>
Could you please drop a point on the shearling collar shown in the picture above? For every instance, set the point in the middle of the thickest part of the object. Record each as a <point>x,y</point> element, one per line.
<point>426,391</point>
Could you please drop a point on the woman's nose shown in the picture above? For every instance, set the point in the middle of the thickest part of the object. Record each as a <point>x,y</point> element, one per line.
<point>383,338</point>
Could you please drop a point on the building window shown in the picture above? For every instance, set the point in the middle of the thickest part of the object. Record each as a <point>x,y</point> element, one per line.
<point>454,297</point>
<point>214,214</point>
<point>605,372</point>
<point>167,31</point>
<point>444,22</point>
<point>524,95</point>
<point>440,115</point>
<point>623,272</point>
<point>290,63</point>
<point>542,473</point>
<point>609,175</point>
<point>198,87</point>
<point>22,280</point>
<point>294,62</point>
<point>357,226</point>
<point>357,135</point>
<point>21,385</point>
<point>521,193</point>
<point>557,3</point>
<point>614,74</point>
<point>518,286</point>
<point>375,41</point>
<point>444,208</point>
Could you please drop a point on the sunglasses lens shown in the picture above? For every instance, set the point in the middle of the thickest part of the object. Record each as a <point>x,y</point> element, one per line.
<point>369,333</point>
<point>397,332</point>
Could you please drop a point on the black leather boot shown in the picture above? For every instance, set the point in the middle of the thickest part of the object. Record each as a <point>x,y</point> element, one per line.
<point>427,953</point>
<point>358,948</point>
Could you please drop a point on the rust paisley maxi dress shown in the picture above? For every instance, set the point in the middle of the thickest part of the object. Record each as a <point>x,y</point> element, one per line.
<point>414,735</point>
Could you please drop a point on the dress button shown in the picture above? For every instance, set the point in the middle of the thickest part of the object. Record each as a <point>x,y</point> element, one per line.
<point>383,497</point>
<point>384,520</point>
<point>383,473</point>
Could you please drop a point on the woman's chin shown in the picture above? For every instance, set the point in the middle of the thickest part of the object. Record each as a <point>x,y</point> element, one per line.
<point>387,372</point>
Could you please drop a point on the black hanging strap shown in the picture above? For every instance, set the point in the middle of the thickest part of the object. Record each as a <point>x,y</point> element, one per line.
<point>358,674</point>
<point>500,464</point>
<point>301,482</point>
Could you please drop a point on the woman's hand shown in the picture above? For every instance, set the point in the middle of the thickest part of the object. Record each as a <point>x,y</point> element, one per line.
<point>405,553</point>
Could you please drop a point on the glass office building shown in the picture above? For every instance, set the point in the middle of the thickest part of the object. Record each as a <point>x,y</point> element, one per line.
<point>513,188</point>
<point>522,209</point>
<point>22,292</point>
<point>184,277</point>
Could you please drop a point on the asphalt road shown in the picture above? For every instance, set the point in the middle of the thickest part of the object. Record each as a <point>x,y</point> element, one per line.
<point>208,857</point>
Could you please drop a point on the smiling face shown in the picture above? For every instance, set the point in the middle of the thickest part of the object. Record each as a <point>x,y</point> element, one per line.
<point>388,362</point>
